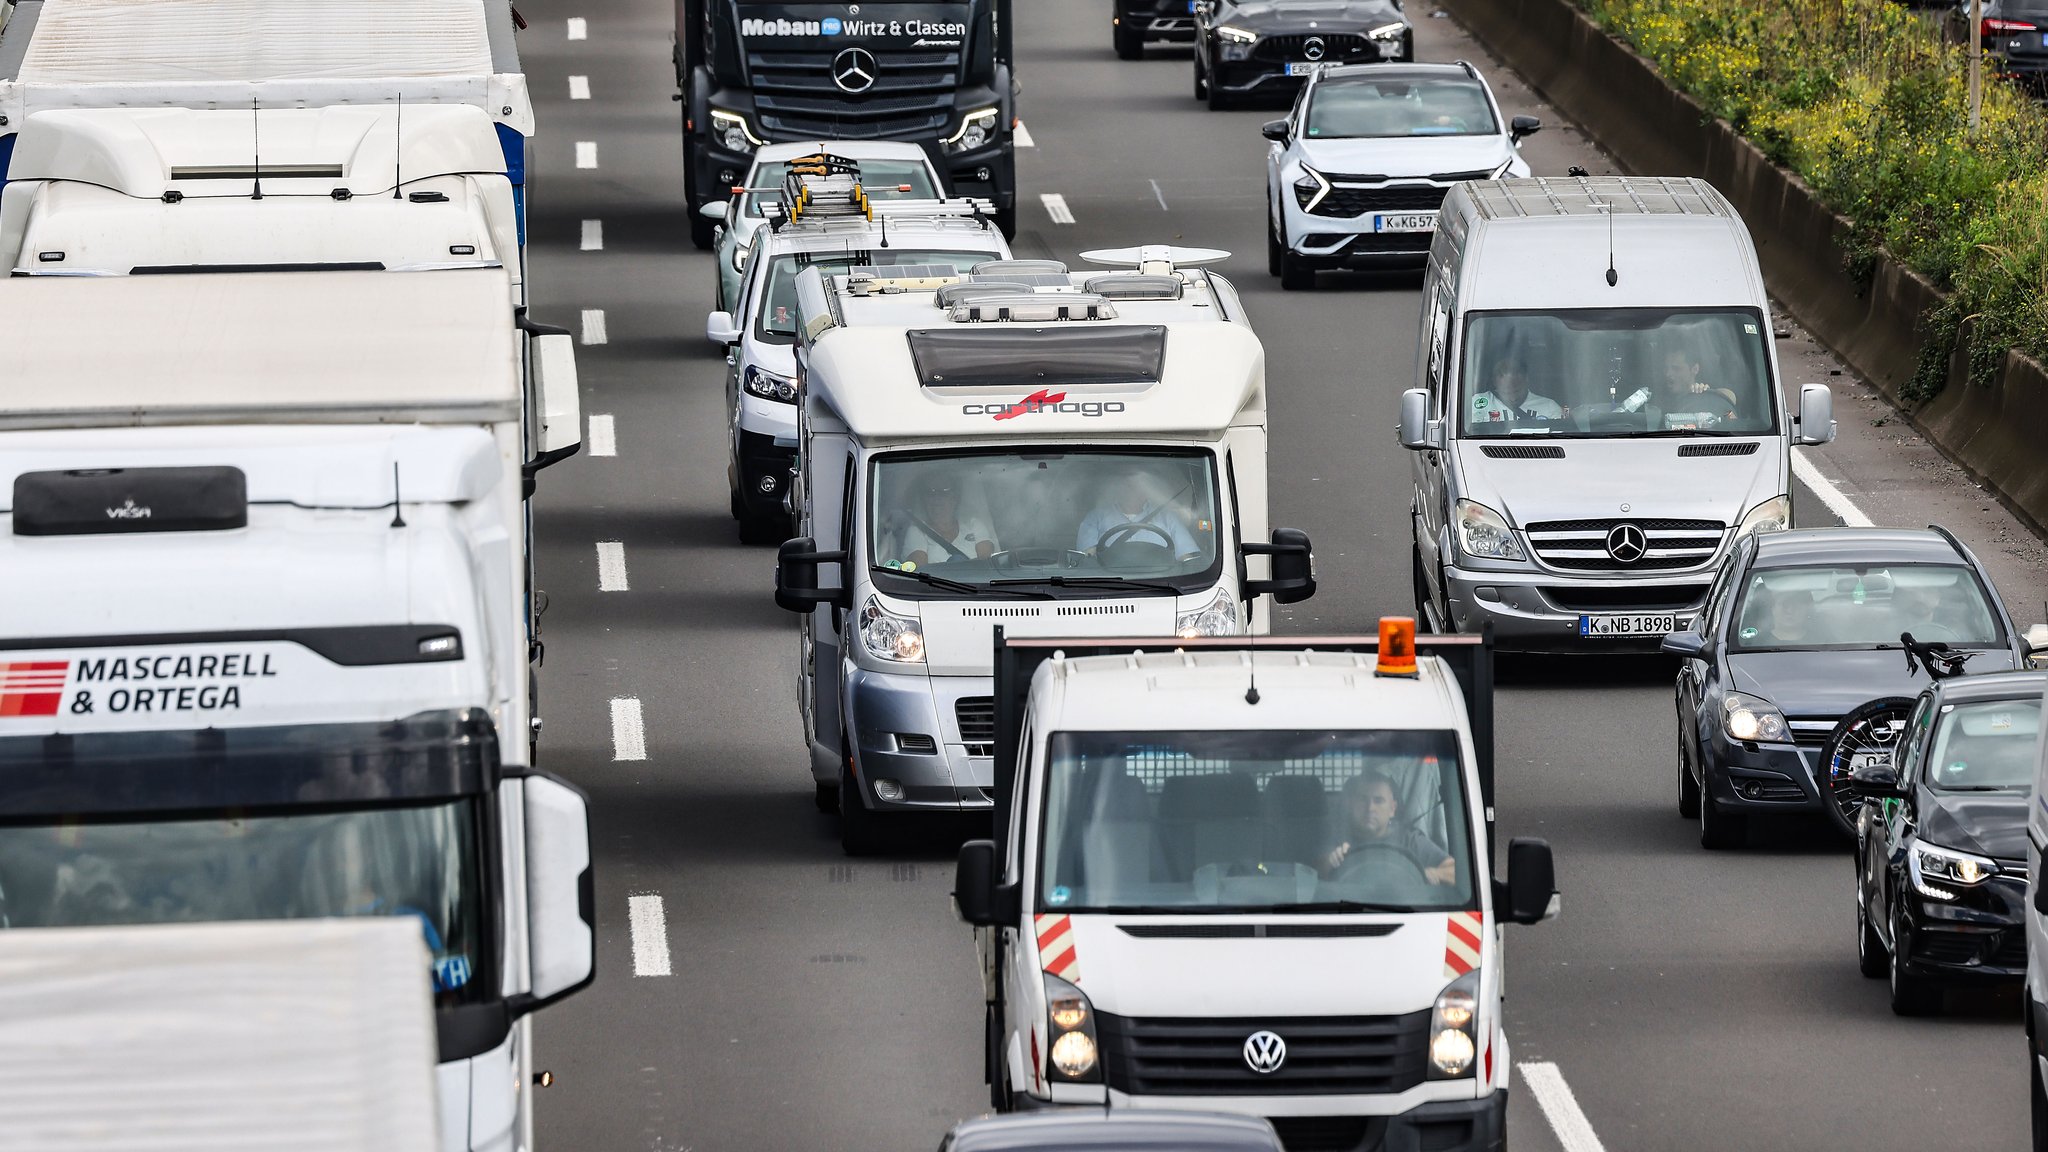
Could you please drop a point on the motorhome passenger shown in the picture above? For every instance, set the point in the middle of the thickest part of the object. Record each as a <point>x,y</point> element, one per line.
<point>1511,399</point>
<point>1370,811</point>
<point>943,531</point>
<point>1128,513</point>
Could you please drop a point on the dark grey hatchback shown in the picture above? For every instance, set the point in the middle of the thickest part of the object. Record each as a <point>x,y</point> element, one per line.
<point>1800,628</point>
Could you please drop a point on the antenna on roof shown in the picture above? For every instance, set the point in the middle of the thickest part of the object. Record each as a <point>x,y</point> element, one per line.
<point>256,147</point>
<point>1612,278</point>
<point>398,151</point>
<point>397,507</point>
<point>884,221</point>
<point>1251,663</point>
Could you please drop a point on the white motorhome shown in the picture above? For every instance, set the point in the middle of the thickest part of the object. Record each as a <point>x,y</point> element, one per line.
<point>1021,447</point>
<point>1597,417</point>
<point>1254,878</point>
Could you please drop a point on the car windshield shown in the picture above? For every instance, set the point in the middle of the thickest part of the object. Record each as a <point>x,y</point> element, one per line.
<point>880,179</point>
<point>1986,745</point>
<point>774,306</point>
<point>1390,106</point>
<point>1261,820</point>
<point>1617,372</point>
<point>1083,519</point>
<point>1847,607</point>
<point>417,861</point>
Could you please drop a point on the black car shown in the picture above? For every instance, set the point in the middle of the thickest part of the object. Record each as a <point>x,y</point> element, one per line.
<point>2015,38</point>
<point>1941,848</point>
<point>1136,23</point>
<point>1121,1130</point>
<point>1246,49</point>
<point>1798,628</point>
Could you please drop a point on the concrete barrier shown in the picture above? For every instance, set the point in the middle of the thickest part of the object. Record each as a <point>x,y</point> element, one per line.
<point>1997,433</point>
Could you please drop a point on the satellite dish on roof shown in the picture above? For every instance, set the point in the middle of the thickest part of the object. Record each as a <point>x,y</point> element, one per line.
<point>1155,259</point>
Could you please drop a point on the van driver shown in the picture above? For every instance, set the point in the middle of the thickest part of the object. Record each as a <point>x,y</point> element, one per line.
<point>1368,823</point>
<point>1510,399</point>
<point>1127,514</point>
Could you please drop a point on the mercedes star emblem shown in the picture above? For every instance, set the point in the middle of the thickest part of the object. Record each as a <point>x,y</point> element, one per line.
<point>1626,543</point>
<point>1264,1052</point>
<point>854,70</point>
<point>1312,48</point>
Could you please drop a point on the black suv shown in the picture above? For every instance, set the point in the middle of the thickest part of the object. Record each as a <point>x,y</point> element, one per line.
<point>1267,49</point>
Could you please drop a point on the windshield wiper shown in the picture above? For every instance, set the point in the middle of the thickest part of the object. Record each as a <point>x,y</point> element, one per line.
<point>1088,582</point>
<point>934,581</point>
<point>1339,906</point>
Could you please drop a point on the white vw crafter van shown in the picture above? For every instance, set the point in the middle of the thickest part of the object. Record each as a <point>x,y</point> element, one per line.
<point>1049,451</point>
<point>1599,414</point>
<point>1252,877</point>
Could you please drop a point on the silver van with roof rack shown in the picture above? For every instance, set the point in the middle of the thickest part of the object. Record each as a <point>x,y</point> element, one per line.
<point>1598,414</point>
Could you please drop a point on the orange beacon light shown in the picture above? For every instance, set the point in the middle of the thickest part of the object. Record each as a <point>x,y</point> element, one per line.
<point>1397,646</point>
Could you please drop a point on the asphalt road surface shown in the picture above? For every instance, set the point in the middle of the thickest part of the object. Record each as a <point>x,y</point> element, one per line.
<point>757,990</point>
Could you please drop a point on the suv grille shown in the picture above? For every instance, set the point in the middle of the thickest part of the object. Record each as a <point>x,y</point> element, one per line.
<point>1581,545</point>
<point>977,718</point>
<point>1291,48</point>
<point>1342,201</point>
<point>912,95</point>
<point>1326,1055</point>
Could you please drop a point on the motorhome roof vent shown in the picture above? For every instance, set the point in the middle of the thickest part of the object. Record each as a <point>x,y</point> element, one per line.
<point>1035,308</point>
<point>1141,286</point>
<point>1022,271</point>
<point>868,279</point>
<point>113,500</point>
<point>977,289</point>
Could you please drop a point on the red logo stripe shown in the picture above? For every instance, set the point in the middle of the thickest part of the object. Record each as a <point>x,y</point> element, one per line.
<point>1042,396</point>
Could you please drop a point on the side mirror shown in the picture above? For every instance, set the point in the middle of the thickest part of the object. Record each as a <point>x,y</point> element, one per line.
<point>2040,894</point>
<point>557,399</point>
<point>561,926</point>
<point>720,328</point>
<point>1522,126</point>
<point>1532,882</point>
<point>977,896</point>
<point>1685,644</point>
<point>716,210</point>
<point>1293,575</point>
<point>1816,415</point>
<point>2035,641</point>
<point>1415,431</point>
<point>796,575</point>
<point>1875,779</point>
<point>1274,130</point>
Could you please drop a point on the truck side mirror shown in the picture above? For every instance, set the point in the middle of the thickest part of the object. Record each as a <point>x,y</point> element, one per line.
<point>977,896</point>
<point>721,329</point>
<point>716,210</point>
<point>796,575</point>
<point>1522,126</point>
<point>556,397</point>
<point>1293,566</point>
<point>1415,420</point>
<point>561,930</point>
<point>1685,644</point>
<point>1274,130</point>
<point>1532,882</point>
<point>1816,414</point>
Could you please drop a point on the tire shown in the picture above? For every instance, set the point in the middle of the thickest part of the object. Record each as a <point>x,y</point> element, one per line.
<point>1871,958</point>
<point>1422,604</point>
<point>1688,788</point>
<point>1719,829</point>
<point>700,228</point>
<point>1296,276</point>
<point>702,231</point>
<point>827,798</point>
<point>1911,995</point>
<point>1868,730</point>
<point>860,828</point>
<point>1006,221</point>
<point>1130,45</point>
<point>1201,79</point>
<point>1217,99</point>
<point>1276,250</point>
<point>759,528</point>
<point>2037,1099</point>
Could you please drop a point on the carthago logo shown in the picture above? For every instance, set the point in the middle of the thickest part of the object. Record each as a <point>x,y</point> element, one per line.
<point>1044,400</point>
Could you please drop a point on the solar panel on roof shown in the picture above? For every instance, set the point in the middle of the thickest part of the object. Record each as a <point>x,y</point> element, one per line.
<point>1033,279</point>
<point>904,271</point>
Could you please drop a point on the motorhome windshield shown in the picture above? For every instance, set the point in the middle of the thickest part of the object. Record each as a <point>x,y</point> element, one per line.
<point>1617,372</point>
<point>880,179</point>
<point>1059,522</point>
<point>1257,821</point>
<point>1841,607</point>
<point>775,314</point>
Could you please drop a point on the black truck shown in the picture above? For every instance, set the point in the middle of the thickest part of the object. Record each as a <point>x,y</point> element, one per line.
<point>938,74</point>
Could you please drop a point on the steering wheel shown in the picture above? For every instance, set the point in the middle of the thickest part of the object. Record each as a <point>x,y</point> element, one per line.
<point>1122,534</point>
<point>1372,856</point>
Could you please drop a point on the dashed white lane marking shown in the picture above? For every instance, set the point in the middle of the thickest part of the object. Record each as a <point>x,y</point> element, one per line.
<point>593,235</point>
<point>586,153</point>
<point>629,733</point>
<point>579,28</point>
<point>1829,495</point>
<point>1157,194</point>
<point>579,87</point>
<point>1574,1132</point>
<point>1022,137</point>
<point>650,935</point>
<point>611,566</point>
<point>603,438</point>
<point>593,326</point>
<point>1056,207</point>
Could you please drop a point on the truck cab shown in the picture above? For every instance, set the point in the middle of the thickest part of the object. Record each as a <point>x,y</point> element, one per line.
<point>1255,877</point>
<point>1020,446</point>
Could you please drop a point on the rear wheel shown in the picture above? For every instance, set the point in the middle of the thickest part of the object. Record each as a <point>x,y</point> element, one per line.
<point>1130,43</point>
<point>1867,735</point>
<point>1688,786</point>
<point>1911,995</point>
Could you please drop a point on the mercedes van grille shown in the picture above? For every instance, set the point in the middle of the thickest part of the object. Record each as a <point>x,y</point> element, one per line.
<point>977,718</point>
<point>1326,1055</point>
<point>1581,545</point>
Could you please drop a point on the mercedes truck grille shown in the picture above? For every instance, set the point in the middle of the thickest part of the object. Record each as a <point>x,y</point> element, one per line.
<point>1625,545</point>
<point>1326,1055</point>
<point>912,95</point>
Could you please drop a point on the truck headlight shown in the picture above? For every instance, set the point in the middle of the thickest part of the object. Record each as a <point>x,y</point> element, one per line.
<point>889,636</point>
<point>1070,1019</point>
<point>1935,870</point>
<point>1216,618</point>
<point>976,129</point>
<point>730,130</point>
<point>1746,717</point>
<point>1236,42</point>
<point>1454,1029</point>
<point>768,386</point>
<point>1484,533</point>
<point>1773,515</point>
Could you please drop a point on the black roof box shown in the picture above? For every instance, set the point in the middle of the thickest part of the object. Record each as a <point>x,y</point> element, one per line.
<point>102,501</point>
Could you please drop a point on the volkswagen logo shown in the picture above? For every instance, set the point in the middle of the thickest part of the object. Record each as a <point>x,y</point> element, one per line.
<point>1264,1052</point>
<point>1313,48</point>
<point>1626,543</point>
<point>854,70</point>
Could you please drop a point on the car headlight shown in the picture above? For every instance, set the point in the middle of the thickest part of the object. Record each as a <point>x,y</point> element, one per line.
<point>1454,1029</point>
<point>739,256</point>
<point>1387,31</point>
<point>1773,515</point>
<point>1746,717</point>
<point>1216,618</point>
<point>976,128</point>
<point>1073,1053</point>
<point>889,636</point>
<point>768,386</point>
<point>730,129</point>
<point>1310,189</point>
<point>1236,42</point>
<point>1936,870</point>
<point>1484,534</point>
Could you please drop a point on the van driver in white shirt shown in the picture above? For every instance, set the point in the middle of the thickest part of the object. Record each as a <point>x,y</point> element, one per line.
<point>1510,399</point>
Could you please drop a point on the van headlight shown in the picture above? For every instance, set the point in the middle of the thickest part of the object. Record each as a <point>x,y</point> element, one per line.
<point>1072,1055</point>
<point>1484,533</point>
<point>976,129</point>
<point>1746,717</point>
<point>1454,1029</point>
<point>1937,870</point>
<point>1773,515</point>
<point>768,386</point>
<point>1216,618</point>
<point>889,636</point>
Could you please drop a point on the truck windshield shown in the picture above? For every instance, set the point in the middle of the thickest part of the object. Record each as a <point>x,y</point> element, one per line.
<point>1398,105</point>
<point>775,305</point>
<point>1085,522</point>
<point>1616,372</point>
<point>880,179</point>
<point>1230,821</point>
<point>1841,607</point>
<point>419,861</point>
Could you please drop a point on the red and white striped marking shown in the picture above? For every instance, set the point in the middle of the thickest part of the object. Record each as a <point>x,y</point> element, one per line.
<point>1462,934</point>
<point>32,687</point>
<point>1056,947</point>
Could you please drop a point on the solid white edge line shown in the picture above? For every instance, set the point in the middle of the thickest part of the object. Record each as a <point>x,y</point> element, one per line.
<point>1056,207</point>
<point>579,87</point>
<point>593,326</point>
<point>1022,137</point>
<point>1574,1132</point>
<point>593,236</point>
<point>650,935</point>
<point>604,439</point>
<point>1830,495</point>
<point>586,153</point>
<point>611,566</point>
<point>579,28</point>
<point>629,734</point>
<point>1158,195</point>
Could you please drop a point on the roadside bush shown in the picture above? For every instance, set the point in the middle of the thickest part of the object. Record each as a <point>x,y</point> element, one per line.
<point>1866,103</point>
